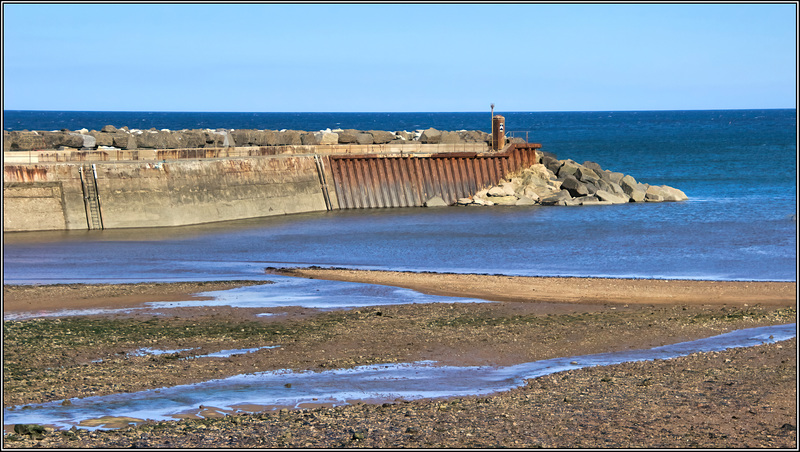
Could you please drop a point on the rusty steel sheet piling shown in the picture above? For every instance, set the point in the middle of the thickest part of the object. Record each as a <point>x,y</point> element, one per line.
<point>382,181</point>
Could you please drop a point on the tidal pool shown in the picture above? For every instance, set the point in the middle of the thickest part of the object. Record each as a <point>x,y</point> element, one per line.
<point>374,383</point>
<point>286,291</point>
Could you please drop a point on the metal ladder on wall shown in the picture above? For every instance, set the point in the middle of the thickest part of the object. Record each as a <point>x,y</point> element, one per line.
<point>91,200</point>
<point>323,181</point>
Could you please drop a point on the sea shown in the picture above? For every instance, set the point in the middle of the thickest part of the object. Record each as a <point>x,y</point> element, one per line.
<point>738,168</point>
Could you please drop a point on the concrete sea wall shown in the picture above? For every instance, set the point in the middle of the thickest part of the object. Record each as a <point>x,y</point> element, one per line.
<point>54,196</point>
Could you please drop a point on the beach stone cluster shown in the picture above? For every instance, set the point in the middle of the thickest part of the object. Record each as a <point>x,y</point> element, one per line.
<point>110,138</point>
<point>554,182</point>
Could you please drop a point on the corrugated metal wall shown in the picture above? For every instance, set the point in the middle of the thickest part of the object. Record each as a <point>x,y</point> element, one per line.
<point>374,181</point>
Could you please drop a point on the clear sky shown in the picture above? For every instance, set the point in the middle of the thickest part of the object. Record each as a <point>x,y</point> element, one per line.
<point>266,57</point>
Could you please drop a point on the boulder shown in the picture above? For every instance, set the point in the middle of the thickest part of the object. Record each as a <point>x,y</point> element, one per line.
<point>613,198</point>
<point>435,201</point>
<point>364,138</point>
<point>559,198</point>
<point>52,140</point>
<point>504,200</point>
<point>586,175</point>
<point>593,166</point>
<point>381,136</point>
<point>496,191</point>
<point>673,194</point>
<point>404,135</point>
<point>635,190</point>
<point>588,200</point>
<point>108,129</point>
<point>86,141</point>
<point>509,188</point>
<point>568,168</point>
<point>326,137</point>
<point>250,137</point>
<point>530,192</point>
<point>124,140</point>
<point>536,175</point>
<point>525,201</point>
<point>450,138</point>
<point>102,138</point>
<point>190,138</point>
<point>348,136</point>
<point>308,139</point>
<point>464,201</point>
<point>551,163</point>
<point>590,187</point>
<point>574,186</point>
<point>611,176</point>
<point>430,136</point>
<point>654,193</point>
<point>289,138</point>
<point>474,136</point>
<point>89,141</point>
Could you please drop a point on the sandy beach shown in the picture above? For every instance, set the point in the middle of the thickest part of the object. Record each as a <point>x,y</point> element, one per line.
<point>737,398</point>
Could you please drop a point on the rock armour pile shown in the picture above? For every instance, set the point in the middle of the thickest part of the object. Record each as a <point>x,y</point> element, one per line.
<point>553,182</point>
<point>111,138</point>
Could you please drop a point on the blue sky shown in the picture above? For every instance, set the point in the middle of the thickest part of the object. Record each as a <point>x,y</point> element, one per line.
<point>398,57</point>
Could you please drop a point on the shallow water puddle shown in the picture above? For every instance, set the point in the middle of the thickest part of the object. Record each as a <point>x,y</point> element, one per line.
<point>287,291</point>
<point>374,383</point>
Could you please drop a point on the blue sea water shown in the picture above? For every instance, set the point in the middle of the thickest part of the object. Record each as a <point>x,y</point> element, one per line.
<point>738,167</point>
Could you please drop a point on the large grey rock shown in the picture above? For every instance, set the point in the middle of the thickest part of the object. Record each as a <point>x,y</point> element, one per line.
<point>590,187</point>
<point>504,200</point>
<point>450,138</point>
<point>364,138</point>
<point>559,198</point>
<point>673,194</point>
<point>381,136</point>
<point>308,139</point>
<point>589,200</point>
<point>593,166</point>
<point>435,201</point>
<point>536,175</point>
<point>191,138</point>
<point>430,136</point>
<point>551,163</point>
<point>575,187</point>
<point>247,137</point>
<point>568,168</point>
<point>611,197</point>
<point>654,193</point>
<point>496,191</point>
<point>103,139</point>
<point>525,201</point>
<point>474,136</point>
<point>635,190</point>
<point>53,140</point>
<point>586,175</point>
<point>611,176</point>
<point>289,138</point>
<point>404,135</point>
<point>326,137</point>
<point>348,136</point>
<point>89,142</point>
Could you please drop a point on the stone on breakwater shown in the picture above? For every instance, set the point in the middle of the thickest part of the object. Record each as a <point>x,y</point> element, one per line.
<point>431,136</point>
<point>435,201</point>
<point>574,186</point>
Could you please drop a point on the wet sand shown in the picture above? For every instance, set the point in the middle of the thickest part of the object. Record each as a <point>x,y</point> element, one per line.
<point>568,290</point>
<point>736,398</point>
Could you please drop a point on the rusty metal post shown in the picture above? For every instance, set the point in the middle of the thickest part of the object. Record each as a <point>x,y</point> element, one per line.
<point>498,132</point>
